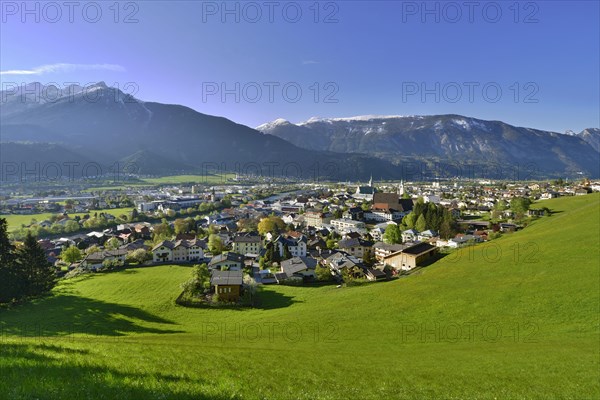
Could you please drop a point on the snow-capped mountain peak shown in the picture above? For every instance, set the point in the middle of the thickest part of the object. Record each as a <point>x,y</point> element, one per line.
<point>273,124</point>
<point>353,119</point>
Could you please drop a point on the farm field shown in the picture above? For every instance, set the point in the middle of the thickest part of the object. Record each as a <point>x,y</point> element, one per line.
<point>15,221</point>
<point>517,317</point>
<point>216,179</point>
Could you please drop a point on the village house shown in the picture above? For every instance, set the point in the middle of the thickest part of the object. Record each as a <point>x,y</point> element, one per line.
<point>94,261</point>
<point>189,250</point>
<point>227,261</point>
<point>375,274</point>
<point>179,250</point>
<point>506,227</point>
<point>427,235</point>
<point>227,285</point>
<point>298,267</point>
<point>410,257</point>
<point>409,235</point>
<point>247,243</point>
<point>379,229</point>
<point>98,238</point>
<point>340,261</point>
<point>136,244</point>
<point>382,250</point>
<point>316,243</point>
<point>354,213</point>
<point>463,240</point>
<point>296,246</point>
<point>289,218</point>
<point>163,252</point>
<point>355,247</point>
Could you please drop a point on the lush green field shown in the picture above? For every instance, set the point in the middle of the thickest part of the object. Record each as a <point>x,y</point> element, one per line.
<point>177,179</point>
<point>15,221</point>
<point>216,179</point>
<point>516,318</point>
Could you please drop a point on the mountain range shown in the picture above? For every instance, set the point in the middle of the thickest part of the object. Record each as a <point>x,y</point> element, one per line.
<point>449,139</point>
<point>104,125</point>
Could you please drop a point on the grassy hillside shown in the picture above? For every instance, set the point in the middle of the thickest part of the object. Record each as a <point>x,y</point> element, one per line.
<point>514,318</point>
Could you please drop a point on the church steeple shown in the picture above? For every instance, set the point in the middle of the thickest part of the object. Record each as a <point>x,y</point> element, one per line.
<point>401,188</point>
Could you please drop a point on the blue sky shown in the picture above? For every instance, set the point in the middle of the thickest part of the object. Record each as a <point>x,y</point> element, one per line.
<point>535,64</point>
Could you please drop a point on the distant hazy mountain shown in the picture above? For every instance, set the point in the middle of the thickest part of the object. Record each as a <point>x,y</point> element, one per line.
<point>106,125</point>
<point>42,161</point>
<point>449,138</point>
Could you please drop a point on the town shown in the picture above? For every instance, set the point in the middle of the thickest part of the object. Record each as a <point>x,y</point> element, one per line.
<point>277,233</point>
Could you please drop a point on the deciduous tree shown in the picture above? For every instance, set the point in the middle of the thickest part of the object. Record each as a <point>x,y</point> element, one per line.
<point>392,234</point>
<point>71,254</point>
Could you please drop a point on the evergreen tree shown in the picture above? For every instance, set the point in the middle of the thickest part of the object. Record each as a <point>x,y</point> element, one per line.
<point>37,274</point>
<point>419,207</point>
<point>429,219</point>
<point>286,252</point>
<point>447,225</point>
<point>421,225</point>
<point>369,258</point>
<point>266,261</point>
<point>410,220</point>
<point>9,280</point>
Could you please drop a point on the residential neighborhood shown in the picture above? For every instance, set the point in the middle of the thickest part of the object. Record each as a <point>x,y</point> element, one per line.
<point>368,232</point>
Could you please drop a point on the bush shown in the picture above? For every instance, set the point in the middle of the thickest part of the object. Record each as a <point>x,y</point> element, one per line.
<point>111,265</point>
<point>139,256</point>
<point>199,283</point>
<point>323,274</point>
<point>77,272</point>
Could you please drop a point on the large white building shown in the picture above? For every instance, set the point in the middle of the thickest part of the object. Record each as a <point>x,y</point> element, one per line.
<point>316,219</point>
<point>347,225</point>
<point>384,215</point>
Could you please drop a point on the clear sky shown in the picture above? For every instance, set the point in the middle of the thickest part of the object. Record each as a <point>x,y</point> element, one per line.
<point>533,64</point>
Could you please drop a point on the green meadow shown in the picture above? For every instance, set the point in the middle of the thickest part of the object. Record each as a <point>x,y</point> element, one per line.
<point>206,179</point>
<point>15,221</point>
<point>178,179</point>
<point>515,318</point>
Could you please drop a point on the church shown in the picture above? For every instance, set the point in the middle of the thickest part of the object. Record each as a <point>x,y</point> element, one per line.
<point>365,192</point>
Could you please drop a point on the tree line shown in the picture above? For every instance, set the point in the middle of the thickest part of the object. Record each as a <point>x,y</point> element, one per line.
<point>24,270</point>
<point>424,216</point>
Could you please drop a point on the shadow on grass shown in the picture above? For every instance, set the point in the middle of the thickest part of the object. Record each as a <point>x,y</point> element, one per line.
<point>270,300</point>
<point>262,300</point>
<point>39,371</point>
<point>65,315</point>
